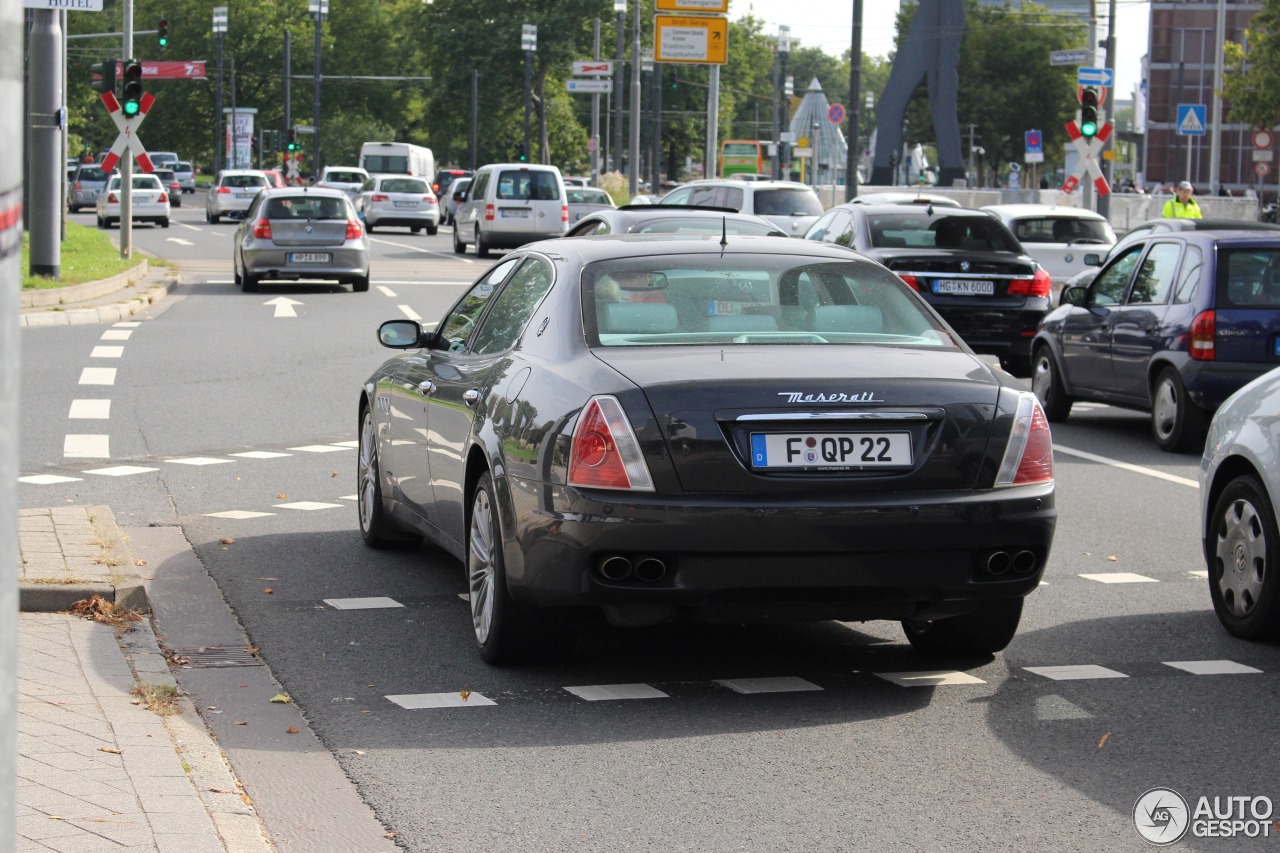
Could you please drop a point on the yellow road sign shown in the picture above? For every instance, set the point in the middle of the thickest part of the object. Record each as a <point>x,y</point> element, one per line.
<point>701,6</point>
<point>691,39</point>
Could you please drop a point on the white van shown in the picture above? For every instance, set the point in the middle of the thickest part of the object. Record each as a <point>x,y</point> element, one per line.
<point>508,205</point>
<point>397,158</point>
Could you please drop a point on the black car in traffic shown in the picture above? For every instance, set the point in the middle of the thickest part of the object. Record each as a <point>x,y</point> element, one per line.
<point>965,263</point>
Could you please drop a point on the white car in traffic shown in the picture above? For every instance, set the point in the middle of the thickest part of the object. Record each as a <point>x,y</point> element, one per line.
<point>149,201</point>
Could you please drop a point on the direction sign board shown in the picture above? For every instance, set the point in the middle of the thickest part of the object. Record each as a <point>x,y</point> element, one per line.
<point>593,66</point>
<point>1095,77</point>
<point>703,6</point>
<point>603,86</point>
<point>1068,57</point>
<point>691,39</point>
<point>1191,119</point>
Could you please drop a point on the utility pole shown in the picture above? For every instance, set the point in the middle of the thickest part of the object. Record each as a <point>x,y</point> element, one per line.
<point>615,147</point>
<point>1109,108</point>
<point>784,96</point>
<point>475,117</point>
<point>1215,141</point>
<point>855,97</point>
<point>528,43</point>
<point>126,162</point>
<point>657,128</point>
<point>45,123</point>
<point>633,161</point>
<point>595,113</point>
<point>288,87</point>
<point>219,29</point>
<point>320,9</point>
<point>1086,187</point>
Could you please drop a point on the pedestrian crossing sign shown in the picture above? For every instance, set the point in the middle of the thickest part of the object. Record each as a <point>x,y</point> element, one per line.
<point>1191,119</point>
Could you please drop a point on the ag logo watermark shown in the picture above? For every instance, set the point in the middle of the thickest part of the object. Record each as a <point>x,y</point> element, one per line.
<point>1162,816</point>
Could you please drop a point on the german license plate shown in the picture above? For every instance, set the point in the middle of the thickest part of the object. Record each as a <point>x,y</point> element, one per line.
<point>406,204</point>
<point>964,287</point>
<point>830,451</point>
<point>309,257</point>
<point>508,213</point>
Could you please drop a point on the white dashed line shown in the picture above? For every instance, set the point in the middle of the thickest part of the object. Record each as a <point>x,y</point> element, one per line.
<point>422,250</point>
<point>119,471</point>
<point>349,498</point>
<point>1198,574</point>
<point>238,514</point>
<point>386,291</point>
<point>1212,667</point>
<point>188,227</point>
<point>1125,466</point>
<point>319,448</point>
<point>116,335</point>
<point>200,460</point>
<point>107,352</point>
<point>87,446</point>
<point>1079,672</point>
<point>98,376</point>
<point>609,692</point>
<point>1119,577</point>
<point>260,454</point>
<point>127,324</point>
<point>307,506</point>
<point>352,443</point>
<point>409,312</point>
<point>90,410</point>
<point>362,603</point>
<point>48,479</point>
<point>929,678</point>
<point>785,684</point>
<point>419,701</point>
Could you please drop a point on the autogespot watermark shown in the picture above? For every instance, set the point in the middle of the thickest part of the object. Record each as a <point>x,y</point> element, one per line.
<point>1162,816</point>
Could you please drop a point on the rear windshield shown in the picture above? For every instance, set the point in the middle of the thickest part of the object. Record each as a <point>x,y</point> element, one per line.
<point>1062,229</point>
<point>708,225</point>
<point>967,233</point>
<point>306,207</point>
<point>345,177</point>
<point>577,195</point>
<point>404,185</point>
<point>787,202</point>
<point>389,163</point>
<point>754,299</point>
<point>182,167</point>
<point>244,181</point>
<point>91,173</point>
<point>140,182</point>
<point>1249,278</point>
<point>528,185</point>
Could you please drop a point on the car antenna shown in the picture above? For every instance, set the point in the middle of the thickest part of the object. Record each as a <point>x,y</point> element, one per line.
<point>928,211</point>
<point>724,232</point>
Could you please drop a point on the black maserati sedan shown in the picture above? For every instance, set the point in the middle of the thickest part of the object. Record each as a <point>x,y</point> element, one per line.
<point>711,428</point>
<point>965,263</point>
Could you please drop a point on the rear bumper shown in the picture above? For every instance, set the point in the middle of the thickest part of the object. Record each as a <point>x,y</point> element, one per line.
<point>881,557</point>
<point>1210,383</point>
<point>405,218</point>
<point>516,239</point>
<point>273,263</point>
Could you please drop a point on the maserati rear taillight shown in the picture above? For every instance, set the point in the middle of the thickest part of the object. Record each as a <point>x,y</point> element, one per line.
<point>605,453</point>
<point>1028,457</point>
<point>1200,346</point>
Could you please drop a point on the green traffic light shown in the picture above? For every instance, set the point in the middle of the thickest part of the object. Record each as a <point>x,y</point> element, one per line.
<point>1089,128</point>
<point>130,108</point>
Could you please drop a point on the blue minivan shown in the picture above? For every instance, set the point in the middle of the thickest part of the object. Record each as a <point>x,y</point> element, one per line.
<point>1172,325</point>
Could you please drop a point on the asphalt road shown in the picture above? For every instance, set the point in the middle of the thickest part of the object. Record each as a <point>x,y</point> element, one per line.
<point>809,737</point>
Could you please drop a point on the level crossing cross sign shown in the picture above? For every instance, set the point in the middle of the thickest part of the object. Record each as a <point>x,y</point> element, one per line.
<point>127,140</point>
<point>1088,158</point>
<point>291,165</point>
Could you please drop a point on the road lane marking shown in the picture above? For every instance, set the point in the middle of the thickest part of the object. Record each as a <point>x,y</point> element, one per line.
<point>119,471</point>
<point>1078,672</point>
<point>107,352</point>
<point>929,678</point>
<point>609,692</point>
<point>1136,469</point>
<point>386,291</point>
<point>306,506</point>
<point>459,699</point>
<point>372,603</point>
<point>409,312</point>
<point>131,324</point>
<point>179,241</point>
<point>260,454</point>
<point>238,514</point>
<point>188,227</point>
<point>284,306</point>
<point>320,448</point>
<point>116,335</point>
<point>1119,577</point>
<point>200,460</point>
<point>90,409</point>
<point>422,250</point>
<point>1212,667</point>
<point>98,376</point>
<point>785,684</point>
<point>48,479</point>
<point>87,446</point>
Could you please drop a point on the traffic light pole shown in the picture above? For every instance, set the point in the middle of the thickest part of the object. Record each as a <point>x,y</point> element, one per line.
<point>126,163</point>
<point>1104,201</point>
<point>288,66</point>
<point>45,129</point>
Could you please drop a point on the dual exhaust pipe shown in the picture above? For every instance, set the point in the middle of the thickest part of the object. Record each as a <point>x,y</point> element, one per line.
<point>619,568</point>
<point>1002,562</point>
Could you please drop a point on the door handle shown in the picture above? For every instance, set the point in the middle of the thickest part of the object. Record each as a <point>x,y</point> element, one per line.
<point>471,397</point>
<point>426,386</point>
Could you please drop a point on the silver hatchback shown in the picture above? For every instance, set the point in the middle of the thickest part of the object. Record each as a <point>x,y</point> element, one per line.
<point>294,233</point>
<point>399,200</point>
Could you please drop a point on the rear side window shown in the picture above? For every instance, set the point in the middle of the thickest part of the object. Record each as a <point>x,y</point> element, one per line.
<point>963,233</point>
<point>528,185</point>
<point>514,306</point>
<point>1249,278</point>
<point>1155,279</point>
<point>1189,277</point>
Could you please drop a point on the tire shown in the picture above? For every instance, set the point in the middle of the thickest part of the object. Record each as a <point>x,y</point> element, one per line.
<point>110,222</point>
<point>214,219</point>
<point>433,230</point>
<point>249,283</point>
<point>985,631</point>
<point>482,250</point>
<point>368,227</point>
<point>375,525</point>
<point>74,208</point>
<point>414,229</point>
<point>164,223</point>
<point>1046,382</point>
<point>1177,424</point>
<point>1242,550</point>
<point>459,247</point>
<point>505,631</point>
<point>360,285</point>
<point>102,223</point>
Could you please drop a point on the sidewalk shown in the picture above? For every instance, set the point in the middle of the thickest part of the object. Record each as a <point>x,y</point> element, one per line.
<point>96,769</point>
<point>109,300</point>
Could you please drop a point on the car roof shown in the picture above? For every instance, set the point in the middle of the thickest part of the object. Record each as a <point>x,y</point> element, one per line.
<point>754,185</point>
<point>328,169</point>
<point>321,192</point>
<point>1209,225</point>
<point>663,246</point>
<point>640,213</point>
<point>915,209</point>
<point>905,198</point>
<point>244,172</point>
<point>1022,210</point>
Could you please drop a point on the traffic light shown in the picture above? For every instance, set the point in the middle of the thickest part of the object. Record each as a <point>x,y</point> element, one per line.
<point>293,141</point>
<point>163,32</point>
<point>104,76</point>
<point>1089,111</point>
<point>132,90</point>
<point>521,155</point>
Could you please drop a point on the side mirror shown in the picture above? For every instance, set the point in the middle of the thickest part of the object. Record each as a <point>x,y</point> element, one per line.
<point>1073,295</point>
<point>1093,260</point>
<point>400,334</point>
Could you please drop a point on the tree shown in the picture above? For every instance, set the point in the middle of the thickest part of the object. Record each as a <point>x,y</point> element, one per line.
<point>1252,81</point>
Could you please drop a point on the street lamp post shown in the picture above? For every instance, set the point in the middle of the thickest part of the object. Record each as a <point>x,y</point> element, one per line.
<point>615,148</point>
<point>220,29</point>
<point>529,44</point>
<point>320,10</point>
<point>780,100</point>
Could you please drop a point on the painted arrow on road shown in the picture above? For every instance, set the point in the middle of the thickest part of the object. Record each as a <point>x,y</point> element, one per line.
<point>284,306</point>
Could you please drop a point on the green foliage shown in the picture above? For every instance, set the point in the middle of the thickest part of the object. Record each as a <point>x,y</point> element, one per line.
<point>86,255</point>
<point>1252,81</point>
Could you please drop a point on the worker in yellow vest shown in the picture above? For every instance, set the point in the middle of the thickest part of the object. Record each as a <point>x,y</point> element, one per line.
<point>1182,205</point>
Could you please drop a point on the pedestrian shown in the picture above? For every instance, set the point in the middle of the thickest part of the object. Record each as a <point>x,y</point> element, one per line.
<point>1182,205</point>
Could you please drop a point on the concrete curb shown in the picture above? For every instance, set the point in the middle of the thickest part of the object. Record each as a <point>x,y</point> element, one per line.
<point>116,578</point>
<point>112,313</point>
<point>83,292</point>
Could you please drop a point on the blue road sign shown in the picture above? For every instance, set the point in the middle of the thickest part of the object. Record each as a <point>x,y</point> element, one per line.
<point>1095,77</point>
<point>1035,142</point>
<point>1191,119</point>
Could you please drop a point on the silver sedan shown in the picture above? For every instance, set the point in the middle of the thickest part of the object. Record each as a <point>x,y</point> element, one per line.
<point>295,233</point>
